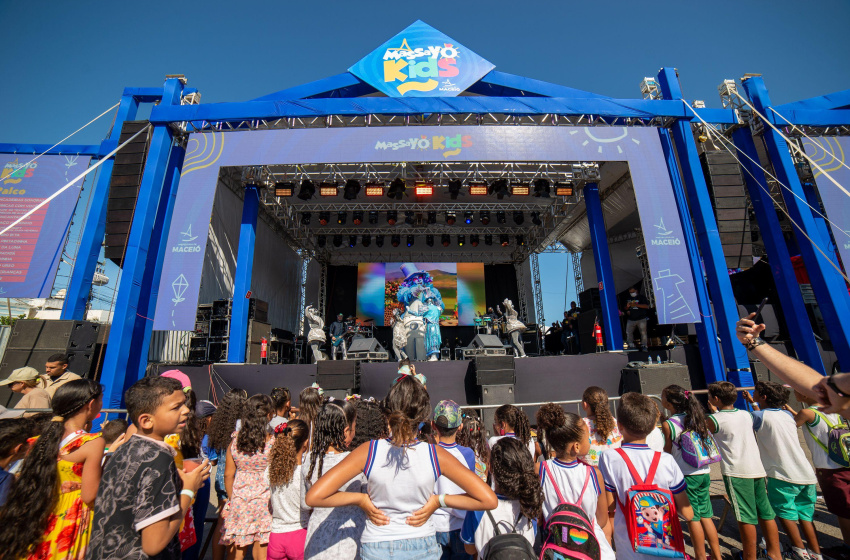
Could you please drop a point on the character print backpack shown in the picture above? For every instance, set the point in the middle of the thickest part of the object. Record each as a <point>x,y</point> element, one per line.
<point>695,452</point>
<point>570,530</point>
<point>838,440</point>
<point>508,546</point>
<point>650,514</point>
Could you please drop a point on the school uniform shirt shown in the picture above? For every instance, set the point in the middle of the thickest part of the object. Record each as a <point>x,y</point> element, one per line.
<point>618,480</point>
<point>570,477</point>
<point>736,443</point>
<point>492,441</point>
<point>818,431</point>
<point>448,519</point>
<point>655,439</point>
<point>676,428</point>
<point>478,529</point>
<point>779,447</point>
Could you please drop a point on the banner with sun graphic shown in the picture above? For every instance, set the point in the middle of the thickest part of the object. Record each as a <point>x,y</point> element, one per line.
<point>831,154</point>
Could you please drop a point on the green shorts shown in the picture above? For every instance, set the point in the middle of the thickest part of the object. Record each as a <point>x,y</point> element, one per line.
<point>699,495</point>
<point>794,502</point>
<point>749,499</point>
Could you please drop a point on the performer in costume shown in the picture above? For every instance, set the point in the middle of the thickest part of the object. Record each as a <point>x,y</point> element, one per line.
<point>432,329</point>
<point>399,336</point>
<point>316,337</point>
<point>514,327</point>
<point>337,330</point>
<point>412,293</point>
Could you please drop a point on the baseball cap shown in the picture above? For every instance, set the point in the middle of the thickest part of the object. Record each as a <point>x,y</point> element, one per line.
<point>447,415</point>
<point>7,413</point>
<point>204,409</point>
<point>179,376</point>
<point>21,374</point>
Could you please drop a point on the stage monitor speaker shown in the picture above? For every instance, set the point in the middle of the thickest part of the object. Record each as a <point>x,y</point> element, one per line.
<point>337,374</point>
<point>494,394</point>
<point>486,341</point>
<point>365,345</point>
<point>651,380</point>
<point>495,370</point>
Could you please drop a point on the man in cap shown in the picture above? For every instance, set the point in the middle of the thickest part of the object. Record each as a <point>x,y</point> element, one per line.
<point>448,522</point>
<point>56,373</point>
<point>24,381</point>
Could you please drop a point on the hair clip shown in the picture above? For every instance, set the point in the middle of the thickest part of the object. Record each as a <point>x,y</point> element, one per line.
<point>687,394</point>
<point>282,428</point>
<point>316,386</point>
<point>354,397</point>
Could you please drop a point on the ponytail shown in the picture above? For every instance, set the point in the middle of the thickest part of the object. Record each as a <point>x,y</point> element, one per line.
<point>288,440</point>
<point>597,401</point>
<point>685,402</point>
<point>329,431</point>
<point>516,419</point>
<point>558,428</point>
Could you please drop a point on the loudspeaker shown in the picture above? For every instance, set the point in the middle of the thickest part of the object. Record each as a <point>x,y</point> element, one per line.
<point>365,345</point>
<point>17,358</point>
<point>589,299</point>
<point>651,380</point>
<point>494,370</point>
<point>54,334</point>
<point>337,374</point>
<point>486,341</point>
<point>494,394</point>
<point>585,331</point>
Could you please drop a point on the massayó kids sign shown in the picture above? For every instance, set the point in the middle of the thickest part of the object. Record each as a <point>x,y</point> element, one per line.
<point>421,62</point>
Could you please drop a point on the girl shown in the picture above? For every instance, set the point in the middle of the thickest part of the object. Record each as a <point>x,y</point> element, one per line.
<point>601,424</point>
<point>247,517</point>
<point>471,435</point>
<point>289,521</point>
<point>512,422</point>
<point>48,511</point>
<point>333,533</point>
<point>689,415</point>
<point>564,476</point>
<point>401,474</point>
<point>519,499</point>
<point>192,448</point>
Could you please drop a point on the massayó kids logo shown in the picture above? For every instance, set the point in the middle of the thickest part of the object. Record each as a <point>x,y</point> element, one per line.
<point>416,69</point>
<point>449,145</point>
<point>15,172</point>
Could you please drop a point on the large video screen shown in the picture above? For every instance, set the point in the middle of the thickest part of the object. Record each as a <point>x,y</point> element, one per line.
<point>382,287</point>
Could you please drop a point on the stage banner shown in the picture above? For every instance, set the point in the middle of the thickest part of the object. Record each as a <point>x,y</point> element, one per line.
<point>830,152</point>
<point>30,252</point>
<point>639,147</point>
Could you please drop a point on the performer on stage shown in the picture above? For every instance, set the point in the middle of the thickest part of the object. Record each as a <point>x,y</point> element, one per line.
<point>490,319</point>
<point>316,337</point>
<point>399,336</point>
<point>432,329</point>
<point>417,287</point>
<point>337,330</point>
<point>514,327</point>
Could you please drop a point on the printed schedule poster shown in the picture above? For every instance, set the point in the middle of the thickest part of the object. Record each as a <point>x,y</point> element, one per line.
<point>30,251</point>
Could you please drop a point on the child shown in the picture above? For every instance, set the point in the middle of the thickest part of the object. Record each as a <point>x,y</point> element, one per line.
<point>111,432</point>
<point>742,469</point>
<point>509,421</point>
<point>636,416</point>
<point>600,423</point>
<point>371,423</point>
<point>519,499</point>
<point>447,521</point>
<point>282,406</point>
<point>569,438</point>
<point>333,533</point>
<point>48,508</point>
<point>690,416</point>
<point>143,497</point>
<point>309,403</point>
<point>14,433</point>
<point>289,521</point>
<point>471,435</point>
<point>790,478</point>
<point>247,520</point>
<point>401,473</point>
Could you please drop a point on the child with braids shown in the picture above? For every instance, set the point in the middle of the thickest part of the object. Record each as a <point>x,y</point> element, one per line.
<point>289,521</point>
<point>48,512</point>
<point>689,416</point>
<point>565,476</point>
<point>604,433</point>
<point>513,423</point>
<point>247,520</point>
<point>518,494</point>
<point>401,473</point>
<point>471,435</point>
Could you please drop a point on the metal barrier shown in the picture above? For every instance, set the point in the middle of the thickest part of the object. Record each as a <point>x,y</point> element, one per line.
<point>106,411</point>
<point>481,407</point>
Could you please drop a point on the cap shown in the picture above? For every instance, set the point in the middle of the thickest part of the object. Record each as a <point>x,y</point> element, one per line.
<point>204,409</point>
<point>7,413</point>
<point>21,374</point>
<point>179,376</point>
<point>447,415</point>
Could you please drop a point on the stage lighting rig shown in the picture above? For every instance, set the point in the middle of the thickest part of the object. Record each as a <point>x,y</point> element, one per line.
<point>520,240</point>
<point>410,240</point>
<point>478,189</point>
<point>520,189</point>
<point>284,189</point>
<point>468,217</point>
<point>488,239</point>
<point>432,218</point>
<point>307,190</point>
<point>357,217</point>
<point>328,189</point>
<point>397,188</point>
<point>473,239</point>
<point>351,189</point>
<point>500,217</point>
<point>324,218</point>
<point>373,217</point>
<point>461,240</point>
<point>484,216</point>
<point>451,217</point>
<point>352,241</point>
<point>379,240</point>
<point>321,240</point>
<point>423,188</point>
<point>535,219</point>
<point>454,188</point>
<point>429,240</point>
<point>392,217</point>
<point>366,240</point>
<point>519,217</point>
<point>445,239</point>
<point>409,216</point>
<point>374,189</point>
<point>541,188</point>
<point>341,217</point>
<point>499,187</point>
<point>564,189</point>
<point>504,240</point>
<point>395,240</point>
<point>305,218</point>
<point>337,240</point>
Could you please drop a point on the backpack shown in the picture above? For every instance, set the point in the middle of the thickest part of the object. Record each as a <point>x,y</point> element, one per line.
<point>510,546</point>
<point>695,452</point>
<point>838,442</point>
<point>570,530</point>
<point>650,514</point>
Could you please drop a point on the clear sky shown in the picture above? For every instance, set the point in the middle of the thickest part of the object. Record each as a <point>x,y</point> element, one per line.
<point>66,62</point>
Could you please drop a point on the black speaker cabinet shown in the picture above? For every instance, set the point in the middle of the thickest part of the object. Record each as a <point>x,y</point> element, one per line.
<point>337,374</point>
<point>494,394</point>
<point>495,370</point>
<point>486,341</point>
<point>365,345</point>
<point>60,336</point>
<point>651,380</point>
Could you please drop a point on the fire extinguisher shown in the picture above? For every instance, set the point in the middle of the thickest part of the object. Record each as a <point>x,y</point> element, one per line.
<point>264,351</point>
<point>597,334</point>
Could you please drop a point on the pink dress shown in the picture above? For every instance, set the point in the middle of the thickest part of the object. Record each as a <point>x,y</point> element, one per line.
<point>248,518</point>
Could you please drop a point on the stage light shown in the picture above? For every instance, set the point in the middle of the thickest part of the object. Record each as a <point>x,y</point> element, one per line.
<point>500,217</point>
<point>520,240</point>
<point>341,217</point>
<point>535,219</point>
<point>468,217</point>
<point>373,217</point>
<point>410,240</point>
<point>541,188</point>
<point>392,217</point>
<point>307,190</point>
<point>429,240</point>
<point>374,189</point>
<point>324,218</point>
<point>305,218</point>
<point>446,240</point>
<point>284,189</point>
<point>351,190</point>
<point>461,240</point>
<point>379,240</point>
<point>321,240</point>
<point>519,217</point>
<point>432,218</point>
<point>563,189</point>
<point>484,216</point>
<point>395,240</point>
<point>423,188</point>
<point>499,187</point>
<point>478,189</point>
<point>488,239</point>
<point>473,239</point>
<point>337,240</point>
<point>408,217</point>
<point>352,241</point>
<point>366,240</point>
<point>450,218</point>
<point>520,189</point>
<point>454,188</point>
<point>328,189</point>
<point>397,188</point>
<point>357,217</point>
<point>504,240</point>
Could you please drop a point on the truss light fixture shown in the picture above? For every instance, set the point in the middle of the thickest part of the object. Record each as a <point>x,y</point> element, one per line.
<point>373,217</point>
<point>305,218</point>
<point>461,240</point>
<point>429,240</point>
<point>564,189</point>
<point>454,188</point>
<point>478,189</point>
<point>352,241</point>
<point>432,218</point>
<point>519,217</point>
<point>307,190</point>
<point>357,217</point>
<point>409,216</point>
<point>366,240</point>
<point>504,240</point>
<point>535,219</point>
<point>395,240</point>
<point>324,218</point>
<point>484,216</point>
<point>284,189</point>
<point>392,217</point>
<point>473,239</point>
<point>499,187</point>
<point>337,241</point>
<point>423,188</point>
<point>468,216</point>
<point>328,189</point>
<point>379,240</point>
<point>451,217</point>
<point>520,240</point>
<point>541,188</point>
<point>500,217</point>
<point>397,189</point>
<point>321,240</point>
<point>341,217</point>
<point>521,189</point>
<point>445,239</point>
<point>488,239</point>
<point>410,240</point>
<point>374,189</point>
<point>351,189</point>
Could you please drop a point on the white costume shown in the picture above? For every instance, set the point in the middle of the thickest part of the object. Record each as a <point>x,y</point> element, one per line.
<point>316,337</point>
<point>399,335</point>
<point>514,327</point>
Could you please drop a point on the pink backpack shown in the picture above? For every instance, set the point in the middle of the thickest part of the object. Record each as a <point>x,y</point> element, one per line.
<point>570,530</point>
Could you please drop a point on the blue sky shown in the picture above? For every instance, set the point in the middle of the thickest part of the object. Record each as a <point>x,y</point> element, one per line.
<point>66,62</point>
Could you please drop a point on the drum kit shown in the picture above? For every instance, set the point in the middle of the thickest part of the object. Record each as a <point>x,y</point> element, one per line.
<point>358,328</point>
<point>485,324</point>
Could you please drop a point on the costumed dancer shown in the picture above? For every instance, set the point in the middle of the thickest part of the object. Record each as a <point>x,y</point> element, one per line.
<point>414,290</point>
<point>433,340</point>
<point>399,336</point>
<point>514,327</point>
<point>316,336</point>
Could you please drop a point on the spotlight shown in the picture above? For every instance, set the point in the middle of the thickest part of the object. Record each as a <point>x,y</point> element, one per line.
<point>467,217</point>
<point>535,219</point>
<point>429,240</point>
<point>352,241</point>
<point>392,217</point>
<point>357,217</point>
<point>563,189</point>
<point>321,240</point>
<point>488,239</point>
<point>284,189</point>
<point>307,190</point>
<point>328,189</point>
<point>395,240</point>
<point>432,218</point>
<point>408,217</point>
<point>519,217</point>
<point>500,217</point>
<point>520,240</point>
<point>454,188</point>
<point>499,187</point>
<point>341,217</point>
<point>423,188</point>
<point>397,188</point>
<point>374,189</point>
<point>484,216</point>
<point>478,188</point>
<point>450,218</point>
<point>324,218</point>
<point>504,240</point>
<point>410,240</point>
<point>461,240</point>
<point>337,240</point>
<point>373,217</point>
<point>520,189</point>
<point>445,239</point>
<point>541,188</point>
<point>366,240</point>
<point>473,239</point>
<point>351,190</point>
<point>379,240</point>
<point>305,218</point>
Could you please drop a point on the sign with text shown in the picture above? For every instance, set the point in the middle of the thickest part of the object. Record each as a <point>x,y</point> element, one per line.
<point>830,152</point>
<point>30,252</point>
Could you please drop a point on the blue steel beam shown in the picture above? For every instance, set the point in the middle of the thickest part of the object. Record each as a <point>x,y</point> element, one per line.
<point>828,285</point>
<point>91,237</point>
<point>832,101</point>
<point>242,282</point>
<point>62,150</point>
<point>611,331</point>
<point>501,84</point>
<point>712,359</point>
<point>117,374</point>
<point>151,94</point>
<point>720,287</point>
<point>790,296</point>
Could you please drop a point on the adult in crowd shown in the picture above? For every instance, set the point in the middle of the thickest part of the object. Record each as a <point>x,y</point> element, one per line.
<point>637,310</point>
<point>56,374</point>
<point>25,381</point>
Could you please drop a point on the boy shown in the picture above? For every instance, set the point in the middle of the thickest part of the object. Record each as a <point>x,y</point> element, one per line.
<point>742,469</point>
<point>143,497</point>
<point>14,433</point>
<point>790,479</point>
<point>636,416</point>
<point>111,431</point>
<point>447,521</point>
